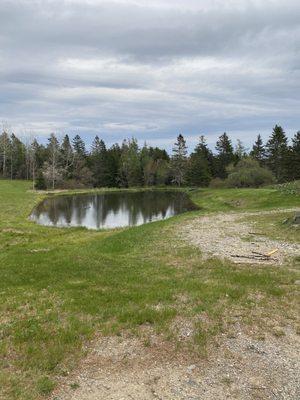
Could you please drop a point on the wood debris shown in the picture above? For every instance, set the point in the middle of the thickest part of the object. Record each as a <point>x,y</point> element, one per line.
<point>257,256</point>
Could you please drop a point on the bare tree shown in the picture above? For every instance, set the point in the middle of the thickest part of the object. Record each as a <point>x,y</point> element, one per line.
<point>5,147</point>
<point>53,148</point>
<point>30,147</point>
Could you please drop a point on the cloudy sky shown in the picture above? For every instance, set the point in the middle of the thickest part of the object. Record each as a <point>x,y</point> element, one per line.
<point>150,69</point>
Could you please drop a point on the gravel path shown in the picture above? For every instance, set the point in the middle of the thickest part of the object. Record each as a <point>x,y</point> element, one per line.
<point>227,236</point>
<point>242,368</point>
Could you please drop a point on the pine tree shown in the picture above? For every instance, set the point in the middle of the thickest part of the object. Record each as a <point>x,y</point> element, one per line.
<point>79,147</point>
<point>18,158</point>
<point>67,157</point>
<point>40,182</point>
<point>277,153</point>
<point>179,161</point>
<point>294,159</point>
<point>53,171</point>
<point>99,163</point>
<point>130,164</point>
<point>113,165</point>
<point>258,152</point>
<point>199,172</point>
<point>148,166</point>
<point>225,155</point>
<point>80,159</point>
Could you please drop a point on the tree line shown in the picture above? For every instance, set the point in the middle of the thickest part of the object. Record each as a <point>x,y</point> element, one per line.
<point>68,164</point>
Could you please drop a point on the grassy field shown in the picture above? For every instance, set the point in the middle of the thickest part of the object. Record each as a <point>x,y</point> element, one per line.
<point>60,287</point>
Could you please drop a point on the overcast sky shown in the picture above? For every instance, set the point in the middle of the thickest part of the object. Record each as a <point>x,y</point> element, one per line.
<point>150,69</point>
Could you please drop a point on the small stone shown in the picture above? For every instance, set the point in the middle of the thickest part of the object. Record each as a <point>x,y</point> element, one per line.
<point>296,219</point>
<point>191,368</point>
<point>192,383</point>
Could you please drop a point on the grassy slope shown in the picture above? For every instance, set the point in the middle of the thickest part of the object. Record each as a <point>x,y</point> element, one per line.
<point>59,287</point>
<point>244,199</point>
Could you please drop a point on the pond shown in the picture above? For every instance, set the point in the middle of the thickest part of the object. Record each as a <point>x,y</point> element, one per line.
<point>112,209</point>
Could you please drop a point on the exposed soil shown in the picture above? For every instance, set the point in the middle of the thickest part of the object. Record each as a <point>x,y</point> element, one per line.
<point>239,368</point>
<point>228,236</point>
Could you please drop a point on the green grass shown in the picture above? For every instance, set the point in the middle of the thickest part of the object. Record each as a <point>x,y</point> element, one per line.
<point>60,287</point>
<point>244,199</point>
<point>289,187</point>
<point>278,226</point>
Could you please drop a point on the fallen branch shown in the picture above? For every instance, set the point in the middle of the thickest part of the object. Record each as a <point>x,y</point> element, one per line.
<point>267,255</point>
<point>253,257</point>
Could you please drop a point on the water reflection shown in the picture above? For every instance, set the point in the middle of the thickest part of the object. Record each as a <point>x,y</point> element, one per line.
<point>111,210</point>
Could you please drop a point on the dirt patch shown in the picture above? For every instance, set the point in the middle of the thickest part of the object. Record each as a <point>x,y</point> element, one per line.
<point>239,368</point>
<point>14,231</point>
<point>43,250</point>
<point>228,236</point>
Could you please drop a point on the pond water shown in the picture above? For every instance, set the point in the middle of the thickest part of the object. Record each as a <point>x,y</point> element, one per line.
<point>111,210</point>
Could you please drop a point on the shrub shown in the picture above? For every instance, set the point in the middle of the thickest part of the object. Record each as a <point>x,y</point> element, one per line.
<point>289,187</point>
<point>72,184</point>
<point>248,173</point>
<point>40,182</point>
<point>217,183</point>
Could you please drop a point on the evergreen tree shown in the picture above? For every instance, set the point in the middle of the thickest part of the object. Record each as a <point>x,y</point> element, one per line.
<point>79,147</point>
<point>258,152</point>
<point>225,155</point>
<point>39,153</point>
<point>277,153</point>
<point>154,162</point>
<point>99,163</point>
<point>40,182</point>
<point>163,173</point>
<point>294,159</point>
<point>199,169</point>
<point>52,170</point>
<point>179,161</point>
<point>158,154</point>
<point>18,158</point>
<point>148,166</point>
<point>113,165</point>
<point>80,169</point>
<point>130,167</point>
<point>67,157</point>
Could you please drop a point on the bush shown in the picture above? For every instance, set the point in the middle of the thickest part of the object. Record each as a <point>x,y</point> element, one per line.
<point>248,173</point>
<point>289,187</point>
<point>40,182</point>
<point>72,184</point>
<point>217,183</point>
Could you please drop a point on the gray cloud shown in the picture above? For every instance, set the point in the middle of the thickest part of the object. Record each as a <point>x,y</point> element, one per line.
<point>126,67</point>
